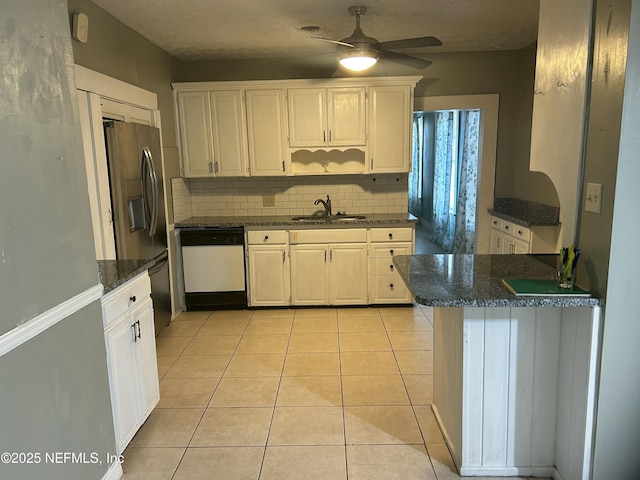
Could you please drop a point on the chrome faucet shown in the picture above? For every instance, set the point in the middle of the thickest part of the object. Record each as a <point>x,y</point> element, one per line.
<point>327,205</point>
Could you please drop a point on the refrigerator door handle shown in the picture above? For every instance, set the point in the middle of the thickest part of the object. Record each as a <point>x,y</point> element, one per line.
<point>150,199</point>
<point>154,186</point>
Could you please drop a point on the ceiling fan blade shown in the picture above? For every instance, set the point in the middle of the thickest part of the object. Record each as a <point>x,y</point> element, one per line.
<point>338,42</point>
<point>414,62</point>
<point>411,43</point>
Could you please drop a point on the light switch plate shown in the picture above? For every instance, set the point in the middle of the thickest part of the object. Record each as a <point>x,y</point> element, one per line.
<point>593,197</point>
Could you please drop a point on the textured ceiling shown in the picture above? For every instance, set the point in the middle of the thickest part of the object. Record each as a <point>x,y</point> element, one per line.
<point>226,29</point>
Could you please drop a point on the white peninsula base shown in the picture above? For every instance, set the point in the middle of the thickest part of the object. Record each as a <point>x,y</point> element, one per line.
<point>514,388</point>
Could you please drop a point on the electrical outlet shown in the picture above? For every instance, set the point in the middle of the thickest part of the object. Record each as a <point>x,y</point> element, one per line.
<point>268,200</point>
<point>593,197</point>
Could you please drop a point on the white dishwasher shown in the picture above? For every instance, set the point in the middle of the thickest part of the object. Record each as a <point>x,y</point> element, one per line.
<point>213,268</point>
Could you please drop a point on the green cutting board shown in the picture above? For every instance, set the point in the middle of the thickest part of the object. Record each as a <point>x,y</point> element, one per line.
<point>528,287</point>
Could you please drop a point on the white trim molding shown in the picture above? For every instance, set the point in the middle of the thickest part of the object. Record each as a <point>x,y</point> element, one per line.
<point>29,329</point>
<point>114,89</point>
<point>114,472</point>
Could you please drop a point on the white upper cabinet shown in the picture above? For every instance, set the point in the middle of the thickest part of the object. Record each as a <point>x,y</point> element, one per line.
<point>321,117</point>
<point>391,111</point>
<point>195,134</point>
<point>266,132</point>
<point>294,127</point>
<point>212,133</point>
<point>229,133</point>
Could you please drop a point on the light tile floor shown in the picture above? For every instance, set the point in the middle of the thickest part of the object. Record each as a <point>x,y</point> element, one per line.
<point>318,393</point>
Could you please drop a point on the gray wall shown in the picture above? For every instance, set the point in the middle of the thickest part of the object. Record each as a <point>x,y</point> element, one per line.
<point>55,398</point>
<point>603,133</point>
<point>617,431</point>
<point>43,211</point>
<point>55,395</point>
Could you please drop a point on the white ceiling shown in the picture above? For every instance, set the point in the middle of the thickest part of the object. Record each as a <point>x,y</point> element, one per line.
<point>269,29</point>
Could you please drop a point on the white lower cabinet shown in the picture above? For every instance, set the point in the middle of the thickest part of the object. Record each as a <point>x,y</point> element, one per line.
<point>509,237</point>
<point>131,356</point>
<point>329,274</point>
<point>268,268</point>
<point>385,283</point>
<point>329,267</point>
<point>309,275</point>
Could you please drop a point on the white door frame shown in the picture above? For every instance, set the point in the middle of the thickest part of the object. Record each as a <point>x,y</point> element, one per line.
<point>100,96</point>
<point>489,104</point>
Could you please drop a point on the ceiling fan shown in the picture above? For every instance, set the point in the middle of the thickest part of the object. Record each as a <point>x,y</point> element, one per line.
<point>359,52</point>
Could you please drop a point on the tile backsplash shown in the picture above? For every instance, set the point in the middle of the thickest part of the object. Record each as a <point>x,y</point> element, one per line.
<point>353,194</point>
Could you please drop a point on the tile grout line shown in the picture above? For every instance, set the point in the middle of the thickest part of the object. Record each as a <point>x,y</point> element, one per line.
<point>275,400</point>
<point>204,411</point>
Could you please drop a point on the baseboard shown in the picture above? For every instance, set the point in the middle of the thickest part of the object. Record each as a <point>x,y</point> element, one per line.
<point>447,440</point>
<point>544,472</point>
<point>38,324</point>
<point>114,472</point>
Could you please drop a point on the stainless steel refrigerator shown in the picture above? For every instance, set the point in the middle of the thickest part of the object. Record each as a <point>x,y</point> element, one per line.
<point>137,200</point>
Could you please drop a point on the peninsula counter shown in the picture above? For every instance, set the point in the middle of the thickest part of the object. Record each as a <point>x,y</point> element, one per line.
<point>514,377</point>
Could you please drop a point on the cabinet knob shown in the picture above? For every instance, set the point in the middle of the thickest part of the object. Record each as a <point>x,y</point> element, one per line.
<point>266,237</point>
<point>391,236</point>
<point>391,252</point>
<point>391,286</point>
<point>132,298</point>
<point>391,267</point>
<point>506,227</point>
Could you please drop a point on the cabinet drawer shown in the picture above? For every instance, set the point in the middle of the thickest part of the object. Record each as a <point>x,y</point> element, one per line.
<point>522,233</point>
<point>267,237</point>
<point>119,301</point>
<point>389,289</point>
<point>383,265</point>
<point>515,230</point>
<point>325,235</point>
<point>390,250</point>
<point>398,234</point>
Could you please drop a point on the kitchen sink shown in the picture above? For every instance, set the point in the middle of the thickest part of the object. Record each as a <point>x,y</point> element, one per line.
<point>311,218</point>
<point>340,218</point>
<point>333,218</point>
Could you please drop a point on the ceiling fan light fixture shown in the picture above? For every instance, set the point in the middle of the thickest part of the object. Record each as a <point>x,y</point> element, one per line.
<point>358,60</point>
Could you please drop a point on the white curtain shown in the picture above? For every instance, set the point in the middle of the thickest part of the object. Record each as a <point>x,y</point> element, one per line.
<point>454,150</point>
<point>442,180</point>
<point>465,230</point>
<point>415,175</point>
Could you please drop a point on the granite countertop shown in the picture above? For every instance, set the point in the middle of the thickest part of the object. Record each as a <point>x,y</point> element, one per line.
<point>525,213</point>
<point>476,280</point>
<point>285,221</point>
<point>114,273</point>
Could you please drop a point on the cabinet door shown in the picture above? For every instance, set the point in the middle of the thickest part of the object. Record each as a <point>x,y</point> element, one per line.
<point>146,363</point>
<point>390,128</point>
<point>520,246</point>
<point>122,379</point>
<point>266,131</point>
<point>309,275</point>
<point>496,241</point>
<point>346,116</point>
<point>269,283</point>
<point>348,274</point>
<point>229,133</point>
<point>307,117</point>
<point>196,141</point>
